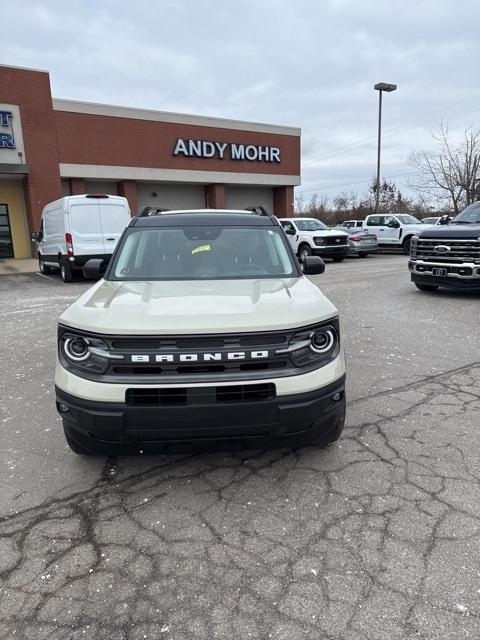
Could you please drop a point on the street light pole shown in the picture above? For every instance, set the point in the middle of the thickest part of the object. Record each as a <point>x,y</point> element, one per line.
<point>380,87</point>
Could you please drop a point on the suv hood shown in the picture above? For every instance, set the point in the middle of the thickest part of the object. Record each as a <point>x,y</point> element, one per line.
<point>452,231</point>
<point>207,306</point>
<point>323,233</point>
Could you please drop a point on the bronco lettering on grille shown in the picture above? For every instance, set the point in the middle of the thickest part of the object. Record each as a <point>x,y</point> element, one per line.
<point>200,357</point>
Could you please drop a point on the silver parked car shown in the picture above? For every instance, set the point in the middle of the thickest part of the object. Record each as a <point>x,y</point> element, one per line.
<point>360,242</point>
<point>445,219</point>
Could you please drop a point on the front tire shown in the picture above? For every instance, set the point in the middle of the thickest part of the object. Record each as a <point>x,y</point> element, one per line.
<point>76,448</point>
<point>426,287</point>
<point>362,254</point>
<point>304,252</point>
<point>339,259</point>
<point>66,271</point>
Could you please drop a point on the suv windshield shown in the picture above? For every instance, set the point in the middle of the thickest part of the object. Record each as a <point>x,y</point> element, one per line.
<point>310,225</point>
<point>470,215</point>
<point>407,219</point>
<point>202,253</point>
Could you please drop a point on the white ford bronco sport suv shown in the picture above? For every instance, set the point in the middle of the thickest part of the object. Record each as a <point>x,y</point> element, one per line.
<point>203,331</point>
<point>309,236</point>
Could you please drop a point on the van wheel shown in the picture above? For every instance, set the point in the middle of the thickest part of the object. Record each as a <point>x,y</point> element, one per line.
<point>362,254</point>
<point>304,251</point>
<point>66,272</point>
<point>76,448</point>
<point>426,287</point>
<point>42,267</point>
<point>406,245</point>
<point>341,259</point>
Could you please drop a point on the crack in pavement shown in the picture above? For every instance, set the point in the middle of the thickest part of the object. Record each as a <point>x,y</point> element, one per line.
<point>376,537</point>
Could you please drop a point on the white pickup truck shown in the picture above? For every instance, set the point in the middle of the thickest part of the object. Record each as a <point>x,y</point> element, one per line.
<point>394,229</point>
<point>309,236</point>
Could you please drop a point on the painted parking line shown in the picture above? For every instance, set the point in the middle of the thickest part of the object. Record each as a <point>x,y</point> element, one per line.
<point>42,275</point>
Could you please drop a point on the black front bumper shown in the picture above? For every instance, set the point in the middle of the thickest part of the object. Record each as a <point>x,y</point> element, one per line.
<point>331,251</point>
<point>115,428</point>
<point>462,277</point>
<point>467,284</point>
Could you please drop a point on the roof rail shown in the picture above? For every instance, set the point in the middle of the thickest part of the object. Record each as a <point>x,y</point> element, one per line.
<point>151,211</point>
<point>259,210</point>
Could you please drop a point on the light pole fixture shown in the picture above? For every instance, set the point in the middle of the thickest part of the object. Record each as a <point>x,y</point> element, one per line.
<point>380,87</point>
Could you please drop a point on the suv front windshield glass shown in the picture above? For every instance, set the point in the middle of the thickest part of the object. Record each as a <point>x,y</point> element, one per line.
<point>203,253</point>
<point>310,225</point>
<point>470,215</point>
<point>407,219</point>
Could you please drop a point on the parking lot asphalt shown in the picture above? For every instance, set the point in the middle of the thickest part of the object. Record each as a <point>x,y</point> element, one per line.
<point>376,537</point>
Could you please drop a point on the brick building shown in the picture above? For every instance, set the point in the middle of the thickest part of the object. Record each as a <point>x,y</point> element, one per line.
<point>50,148</point>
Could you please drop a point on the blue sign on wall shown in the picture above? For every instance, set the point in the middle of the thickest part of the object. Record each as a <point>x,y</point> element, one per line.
<point>7,141</point>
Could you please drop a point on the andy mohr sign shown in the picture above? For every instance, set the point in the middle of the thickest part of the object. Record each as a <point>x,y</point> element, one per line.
<point>226,151</point>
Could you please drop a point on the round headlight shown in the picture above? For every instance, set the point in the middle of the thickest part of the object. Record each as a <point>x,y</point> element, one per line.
<point>322,340</point>
<point>76,348</point>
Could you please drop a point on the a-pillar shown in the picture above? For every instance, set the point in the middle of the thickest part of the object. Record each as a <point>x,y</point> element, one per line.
<point>215,196</point>
<point>77,186</point>
<point>283,202</point>
<point>128,189</point>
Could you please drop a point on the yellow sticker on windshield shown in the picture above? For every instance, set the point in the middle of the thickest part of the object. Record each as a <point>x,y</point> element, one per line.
<point>204,247</point>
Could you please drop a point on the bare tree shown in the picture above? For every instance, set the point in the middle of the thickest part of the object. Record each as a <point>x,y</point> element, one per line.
<point>316,207</point>
<point>345,201</point>
<point>299,204</point>
<point>451,172</point>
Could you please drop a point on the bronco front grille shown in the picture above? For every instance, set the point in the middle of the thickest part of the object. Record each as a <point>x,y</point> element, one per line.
<point>456,252</point>
<point>198,359</point>
<point>170,357</point>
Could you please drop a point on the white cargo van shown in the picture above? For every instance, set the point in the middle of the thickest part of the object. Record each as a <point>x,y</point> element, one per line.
<point>77,228</point>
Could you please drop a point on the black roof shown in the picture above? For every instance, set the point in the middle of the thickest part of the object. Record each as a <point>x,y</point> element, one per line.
<point>205,218</point>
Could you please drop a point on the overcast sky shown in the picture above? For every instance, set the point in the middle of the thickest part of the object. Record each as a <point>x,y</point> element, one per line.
<point>308,63</point>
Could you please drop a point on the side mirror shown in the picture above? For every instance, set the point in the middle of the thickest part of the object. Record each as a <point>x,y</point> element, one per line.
<point>94,269</point>
<point>35,236</point>
<point>313,265</point>
<point>393,224</point>
<point>290,232</point>
<point>444,220</point>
